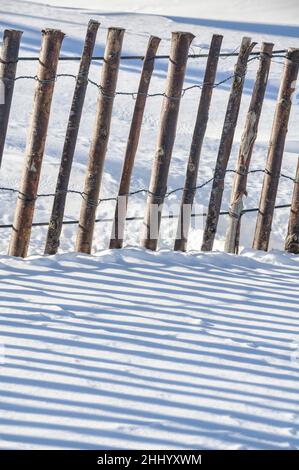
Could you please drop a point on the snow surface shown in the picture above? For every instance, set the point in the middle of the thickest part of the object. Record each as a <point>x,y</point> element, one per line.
<point>31,17</point>
<point>131,349</point>
<point>279,12</point>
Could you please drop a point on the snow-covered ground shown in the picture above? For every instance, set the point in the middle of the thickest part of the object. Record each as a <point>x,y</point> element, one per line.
<point>140,350</point>
<point>132,349</point>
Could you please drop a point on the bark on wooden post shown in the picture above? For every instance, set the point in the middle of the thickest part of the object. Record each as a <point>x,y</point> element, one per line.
<point>100,139</point>
<point>48,61</point>
<point>292,240</point>
<point>197,141</point>
<point>180,44</point>
<point>275,153</point>
<point>246,148</point>
<point>118,228</point>
<point>55,224</point>
<point>226,142</point>
<point>8,67</point>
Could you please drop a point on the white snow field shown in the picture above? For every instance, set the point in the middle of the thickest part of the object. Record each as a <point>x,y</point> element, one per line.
<point>132,349</point>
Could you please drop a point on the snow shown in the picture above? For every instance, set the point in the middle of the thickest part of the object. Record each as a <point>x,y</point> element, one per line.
<point>132,349</point>
<point>31,17</point>
<point>278,12</point>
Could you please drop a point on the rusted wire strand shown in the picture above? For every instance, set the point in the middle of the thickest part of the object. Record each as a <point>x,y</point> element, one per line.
<point>134,95</point>
<point>144,190</point>
<point>233,53</point>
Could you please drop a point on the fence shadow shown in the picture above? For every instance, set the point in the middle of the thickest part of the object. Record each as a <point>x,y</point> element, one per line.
<point>250,27</point>
<point>124,351</point>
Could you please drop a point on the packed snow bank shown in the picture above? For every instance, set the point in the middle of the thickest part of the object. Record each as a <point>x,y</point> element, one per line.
<point>268,11</point>
<point>131,349</point>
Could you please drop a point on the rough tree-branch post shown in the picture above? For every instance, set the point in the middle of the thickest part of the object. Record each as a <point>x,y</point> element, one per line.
<point>55,224</point>
<point>180,44</point>
<point>99,143</point>
<point>246,148</point>
<point>118,228</point>
<point>46,74</point>
<point>292,240</point>
<point>196,144</point>
<point>275,153</point>
<point>226,141</point>
<point>8,67</point>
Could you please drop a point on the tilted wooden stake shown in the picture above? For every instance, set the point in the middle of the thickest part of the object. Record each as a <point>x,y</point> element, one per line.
<point>275,153</point>
<point>99,143</point>
<point>197,141</point>
<point>117,235</point>
<point>8,67</point>
<point>56,219</point>
<point>292,240</point>
<point>226,142</point>
<point>180,44</point>
<point>246,148</point>
<point>48,61</point>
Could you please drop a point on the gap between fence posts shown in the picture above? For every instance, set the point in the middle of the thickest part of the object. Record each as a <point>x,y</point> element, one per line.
<point>51,44</point>
<point>55,224</point>
<point>8,66</point>
<point>100,139</point>
<point>117,235</point>
<point>226,141</point>
<point>180,43</point>
<point>197,141</point>
<point>246,148</point>
<point>292,240</point>
<point>275,153</point>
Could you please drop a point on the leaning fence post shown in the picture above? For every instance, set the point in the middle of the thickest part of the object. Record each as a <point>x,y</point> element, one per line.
<point>197,141</point>
<point>275,153</point>
<point>226,141</point>
<point>246,148</point>
<point>46,74</point>
<point>180,44</point>
<point>292,240</point>
<point>100,139</point>
<point>116,240</point>
<point>55,224</point>
<point>8,67</point>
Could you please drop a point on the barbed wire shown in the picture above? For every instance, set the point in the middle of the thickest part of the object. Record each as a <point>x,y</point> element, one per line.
<point>225,55</point>
<point>146,191</point>
<point>134,95</point>
<point>123,93</point>
<point>169,216</point>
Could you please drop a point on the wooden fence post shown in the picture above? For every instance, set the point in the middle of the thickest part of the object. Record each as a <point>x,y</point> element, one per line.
<point>292,240</point>
<point>275,153</point>
<point>180,44</point>
<point>99,143</point>
<point>246,148</point>
<point>226,142</point>
<point>197,141</point>
<point>48,61</point>
<point>8,67</point>
<point>55,224</point>
<point>116,240</point>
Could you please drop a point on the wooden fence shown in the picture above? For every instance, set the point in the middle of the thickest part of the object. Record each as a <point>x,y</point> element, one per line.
<point>51,41</point>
